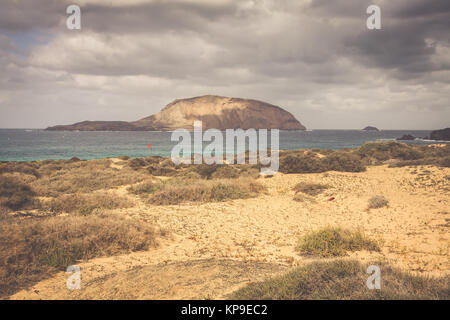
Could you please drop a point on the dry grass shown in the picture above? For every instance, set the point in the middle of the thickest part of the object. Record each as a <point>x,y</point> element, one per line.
<point>224,171</point>
<point>30,250</point>
<point>178,191</point>
<point>377,202</point>
<point>15,194</point>
<point>85,176</point>
<point>85,204</point>
<point>333,242</point>
<point>21,167</point>
<point>344,279</point>
<point>300,197</point>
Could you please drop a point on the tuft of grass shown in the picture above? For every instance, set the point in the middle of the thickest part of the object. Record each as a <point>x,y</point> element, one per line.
<point>312,189</point>
<point>344,279</point>
<point>334,242</point>
<point>31,250</point>
<point>377,202</point>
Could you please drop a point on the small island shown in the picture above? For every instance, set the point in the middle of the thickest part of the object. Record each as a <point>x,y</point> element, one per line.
<point>407,137</point>
<point>370,128</point>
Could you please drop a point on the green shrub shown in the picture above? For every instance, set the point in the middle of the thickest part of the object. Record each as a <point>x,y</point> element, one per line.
<point>389,150</point>
<point>302,163</point>
<point>311,163</point>
<point>221,192</point>
<point>331,242</point>
<point>345,162</point>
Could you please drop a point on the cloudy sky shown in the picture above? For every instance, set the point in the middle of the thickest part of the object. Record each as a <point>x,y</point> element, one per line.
<point>315,58</point>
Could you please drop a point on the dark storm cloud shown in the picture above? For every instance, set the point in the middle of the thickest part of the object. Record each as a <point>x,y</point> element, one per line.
<point>25,15</point>
<point>311,57</point>
<point>155,16</point>
<point>407,42</point>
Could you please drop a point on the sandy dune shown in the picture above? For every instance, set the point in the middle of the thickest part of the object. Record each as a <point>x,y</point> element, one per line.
<point>216,248</point>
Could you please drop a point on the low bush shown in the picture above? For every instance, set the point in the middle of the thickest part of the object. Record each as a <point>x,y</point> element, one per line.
<point>345,162</point>
<point>332,242</point>
<point>301,163</point>
<point>377,202</point>
<point>311,163</point>
<point>390,150</point>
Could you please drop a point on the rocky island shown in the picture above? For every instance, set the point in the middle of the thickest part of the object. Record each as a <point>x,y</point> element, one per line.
<point>214,111</point>
<point>370,128</point>
<point>443,134</point>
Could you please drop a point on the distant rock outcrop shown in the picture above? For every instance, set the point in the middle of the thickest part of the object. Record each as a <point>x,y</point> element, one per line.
<point>214,111</point>
<point>443,134</point>
<point>96,126</point>
<point>369,128</point>
<point>407,137</point>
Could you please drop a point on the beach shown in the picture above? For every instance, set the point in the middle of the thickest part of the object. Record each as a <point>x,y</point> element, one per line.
<point>208,249</point>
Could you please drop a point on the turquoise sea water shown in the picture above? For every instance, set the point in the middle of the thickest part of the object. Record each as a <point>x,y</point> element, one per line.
<point>29,145</point>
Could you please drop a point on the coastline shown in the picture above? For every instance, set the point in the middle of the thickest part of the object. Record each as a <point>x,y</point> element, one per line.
<point>220,220</point>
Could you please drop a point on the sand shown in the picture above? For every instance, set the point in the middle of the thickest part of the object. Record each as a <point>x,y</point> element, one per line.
<point>215,248</point>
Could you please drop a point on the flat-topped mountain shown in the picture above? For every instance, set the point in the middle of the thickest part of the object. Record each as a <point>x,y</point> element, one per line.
<point>214,111</point>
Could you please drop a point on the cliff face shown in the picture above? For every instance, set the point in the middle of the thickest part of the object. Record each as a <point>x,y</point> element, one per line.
<point>215,112</point>
<point>221,113</point>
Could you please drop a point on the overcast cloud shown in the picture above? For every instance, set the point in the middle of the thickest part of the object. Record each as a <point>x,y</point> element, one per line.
<point>315,58</point>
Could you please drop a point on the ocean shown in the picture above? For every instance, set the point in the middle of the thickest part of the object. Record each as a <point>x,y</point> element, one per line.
<point>37,144</point>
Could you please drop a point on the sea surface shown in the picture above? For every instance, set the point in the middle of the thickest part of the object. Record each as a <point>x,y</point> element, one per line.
<point>37,144</point>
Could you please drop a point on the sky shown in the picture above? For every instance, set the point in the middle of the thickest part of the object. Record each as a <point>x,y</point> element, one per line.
<point>314,58</point>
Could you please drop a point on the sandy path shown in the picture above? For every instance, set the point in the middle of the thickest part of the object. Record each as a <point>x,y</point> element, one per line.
<point>231,243</point>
